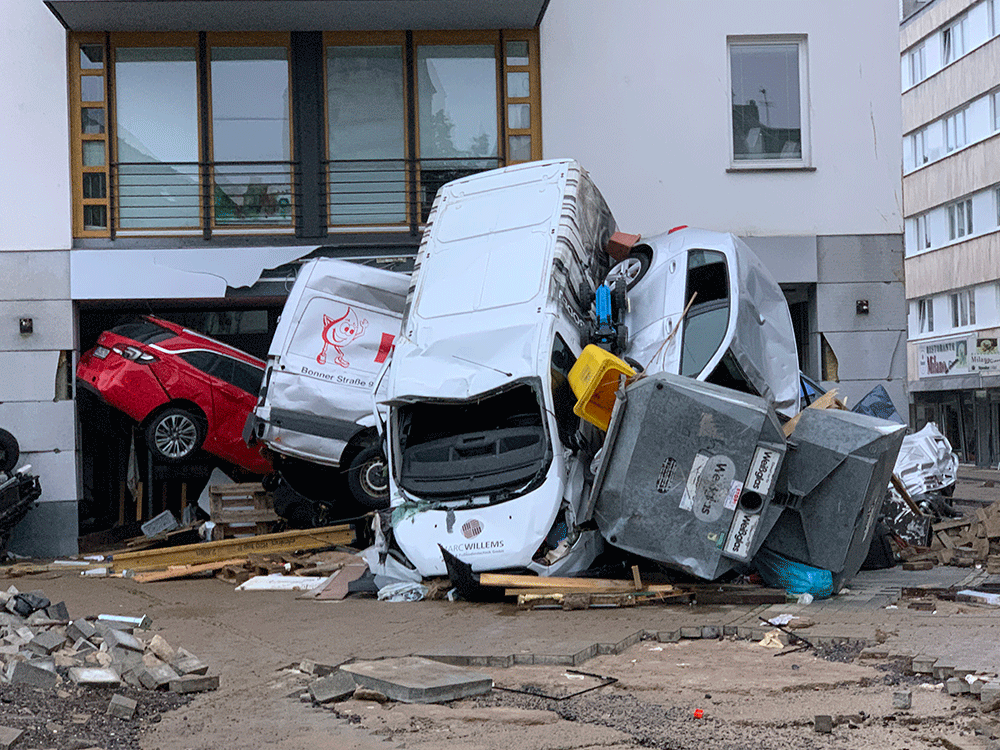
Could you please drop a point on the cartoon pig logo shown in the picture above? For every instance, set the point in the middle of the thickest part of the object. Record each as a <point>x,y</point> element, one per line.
<point>338,333</point>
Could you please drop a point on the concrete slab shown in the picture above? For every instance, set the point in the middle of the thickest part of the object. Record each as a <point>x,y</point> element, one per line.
<point>25,673</point>
<point>122,707</point>
<point>333,687</point>
<point>414,680</point>
<point>194,684</point>
<point>97,676</point>
<point>46,642</point>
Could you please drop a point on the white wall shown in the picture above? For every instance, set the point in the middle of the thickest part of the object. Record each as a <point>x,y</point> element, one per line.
<point>637,90</point>
<point>34,129</point>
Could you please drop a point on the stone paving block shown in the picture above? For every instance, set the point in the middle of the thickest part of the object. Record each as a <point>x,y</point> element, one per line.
<point>156,677</point>
<point>990,691</point>
<point>8,736</point>
<point>823,724</point>
<point>730,630</point>
<point>187,663</point>
<point>163,650</point>
<point>46,642</point>
<point>524,658</point>
<point>122,707</point>
<point>976,686</point>
<point>58,611</point>
<point>620,646</point>
<point>923,664</point>
<point>97,676</point>
<point>194,683</point>
<point>334,687</point>
<point>80,629</point>
<point>668,636</point>
<point>943,669</point>
<point>411,679</point>
<point>691,632</point>
<point>27,673</point>
<point>956,686</point>
<point>120,639</point>
<point>82,646</point>
<point>711,631</point>
<point>902,699</point>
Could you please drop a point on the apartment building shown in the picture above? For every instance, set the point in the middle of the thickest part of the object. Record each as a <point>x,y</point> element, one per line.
<point>184,157</point>
<point>950,70</point>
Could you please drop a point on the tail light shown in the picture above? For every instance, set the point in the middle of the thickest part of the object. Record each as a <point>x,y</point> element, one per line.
<point>135,354</point>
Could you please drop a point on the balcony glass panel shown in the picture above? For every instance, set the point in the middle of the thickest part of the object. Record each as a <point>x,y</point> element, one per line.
<point>156,97</point>
<point>367,135</point>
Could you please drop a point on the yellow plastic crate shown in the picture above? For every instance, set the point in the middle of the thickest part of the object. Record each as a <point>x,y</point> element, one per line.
<point>594,380</point>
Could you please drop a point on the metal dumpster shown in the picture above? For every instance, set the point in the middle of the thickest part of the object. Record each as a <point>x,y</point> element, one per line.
<point>690,469</point>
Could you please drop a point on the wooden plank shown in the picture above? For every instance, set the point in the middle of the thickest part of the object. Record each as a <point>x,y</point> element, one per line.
<point>897,483</point>
<point>635,578</point>
<point>180,571</point>
<point>827,401</point>
<point>508,580</point>
<point>285,541</point>
<point>956,524</point>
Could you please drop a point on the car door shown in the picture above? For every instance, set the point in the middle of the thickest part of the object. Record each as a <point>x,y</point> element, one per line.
<point>234,386</point>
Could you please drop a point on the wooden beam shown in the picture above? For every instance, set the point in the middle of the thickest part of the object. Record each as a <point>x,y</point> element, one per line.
<point>189,554</point>
<point>181,571</point>
<point>507,580</point>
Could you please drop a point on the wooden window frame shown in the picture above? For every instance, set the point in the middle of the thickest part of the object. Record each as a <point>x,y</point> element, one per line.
<point>75,43</point>
<point>533,100</point>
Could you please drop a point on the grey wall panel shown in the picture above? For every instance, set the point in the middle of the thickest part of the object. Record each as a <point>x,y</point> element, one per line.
<point>35,274</point>
<point>56,471</point>
<point>853,391</point>
<point>42,425</point>
<point>875,257</point>
<point>792,260</point>
<point>836,306</point>
<point>28,376</point>
<point>49,530</point>
<point>869,355</point>
<point>52,320</point>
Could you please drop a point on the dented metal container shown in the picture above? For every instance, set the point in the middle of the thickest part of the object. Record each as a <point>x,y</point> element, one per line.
<point>834,480</point>
<point>690,472</point>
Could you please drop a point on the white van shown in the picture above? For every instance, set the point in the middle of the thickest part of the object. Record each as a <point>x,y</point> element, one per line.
<point>337,329</point>
<point>486,457</point>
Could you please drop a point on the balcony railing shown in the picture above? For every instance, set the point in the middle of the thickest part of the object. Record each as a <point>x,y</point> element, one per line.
<point>258,197</point>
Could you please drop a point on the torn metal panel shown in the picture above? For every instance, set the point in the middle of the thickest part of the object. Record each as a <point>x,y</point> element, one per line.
<point>833,483</point>
<point>926,462</point>
<point>338,327</point>
<point>178,273</point>
<point>690,475</point>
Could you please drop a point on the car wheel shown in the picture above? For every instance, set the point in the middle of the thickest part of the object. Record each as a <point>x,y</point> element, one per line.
<point>632,269</point>
<point>10,451</point>
<point>175,435</point>
<point>368,478</point>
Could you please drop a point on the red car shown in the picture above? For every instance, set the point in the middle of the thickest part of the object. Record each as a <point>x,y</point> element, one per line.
<point>186,390</point>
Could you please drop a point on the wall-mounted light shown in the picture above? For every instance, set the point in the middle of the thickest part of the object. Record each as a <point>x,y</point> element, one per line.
<point>861,307</point>
<point>27,326</point>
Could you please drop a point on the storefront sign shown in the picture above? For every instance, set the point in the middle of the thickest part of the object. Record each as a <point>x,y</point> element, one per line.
<point>959,357</point>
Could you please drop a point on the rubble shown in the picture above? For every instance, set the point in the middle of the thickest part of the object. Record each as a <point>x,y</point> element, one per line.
<point>44,653</point>
<point>413,679</point>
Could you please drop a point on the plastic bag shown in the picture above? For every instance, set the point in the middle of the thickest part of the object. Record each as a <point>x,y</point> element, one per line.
<point>794,577</point>
<point>402,592</point>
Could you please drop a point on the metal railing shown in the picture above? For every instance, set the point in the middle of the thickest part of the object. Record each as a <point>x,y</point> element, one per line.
<point>368,192</point>
<point>166,197</point>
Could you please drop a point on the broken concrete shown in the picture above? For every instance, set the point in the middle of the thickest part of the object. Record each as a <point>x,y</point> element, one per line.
<point>26,673</point>
<point>94,676</point>
<point>194,684</point>
<point>412,679</point>
<point>334,687</point>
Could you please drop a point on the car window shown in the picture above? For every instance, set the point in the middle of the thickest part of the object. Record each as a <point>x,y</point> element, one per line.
<point>708,319</point>
<point>562,395</point>
<point>201,359</point>
<point>143,331</point>
<point>247,377</point>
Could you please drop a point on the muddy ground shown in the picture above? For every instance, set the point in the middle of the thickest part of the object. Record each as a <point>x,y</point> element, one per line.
<point>749,696</point>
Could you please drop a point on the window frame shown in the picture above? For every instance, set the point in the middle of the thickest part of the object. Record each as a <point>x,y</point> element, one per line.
<point>956,135</point>
<point>804,162</point>
<point>917,58</point>
<point>960,219</point>
<point>78,138</point>
<point>953,40</point>
<point>963,306</point>
<point>923,232</point>
<point>925,315</point>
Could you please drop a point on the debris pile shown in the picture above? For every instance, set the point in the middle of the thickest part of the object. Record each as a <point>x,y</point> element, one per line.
<point>42,647</point>
<point>963,542</point>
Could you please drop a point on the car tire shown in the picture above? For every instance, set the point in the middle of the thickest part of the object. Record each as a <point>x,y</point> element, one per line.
<point>10,451</point>
<point>633,268</point>
<point>368,478</point>
<point>174,435</point>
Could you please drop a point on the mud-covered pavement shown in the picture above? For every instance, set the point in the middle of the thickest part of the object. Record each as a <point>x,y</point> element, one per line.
<point>750,698</point>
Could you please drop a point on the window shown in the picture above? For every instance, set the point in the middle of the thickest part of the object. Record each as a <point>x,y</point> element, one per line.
<point>953,40</point>
<point>996,107</point>
<point>919,146</point>
<point>994,17</point>
<point>954,131</point>
<point>963,309</point>
<point>996,202</point>
<point>768,91</point>
<point>925,315</point>
<point>923,233</point>
<point>192,133</point>
<point>960,219</point>
<point>918,64</point>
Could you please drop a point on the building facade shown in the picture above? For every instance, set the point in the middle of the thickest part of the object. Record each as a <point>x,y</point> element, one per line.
<point>950,69</point>
<point>183,162</point>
